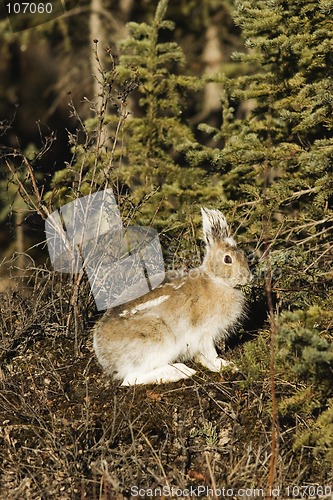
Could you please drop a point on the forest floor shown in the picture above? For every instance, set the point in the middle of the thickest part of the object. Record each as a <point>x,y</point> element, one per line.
<point>68,432</point>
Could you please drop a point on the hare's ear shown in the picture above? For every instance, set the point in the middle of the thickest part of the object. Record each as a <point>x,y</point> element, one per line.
<point>215,227</point>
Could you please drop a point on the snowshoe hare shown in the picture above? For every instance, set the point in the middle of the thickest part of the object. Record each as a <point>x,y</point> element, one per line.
<point>140,342</point>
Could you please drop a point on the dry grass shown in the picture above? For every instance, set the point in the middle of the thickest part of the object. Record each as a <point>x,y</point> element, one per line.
<point>69,432</point>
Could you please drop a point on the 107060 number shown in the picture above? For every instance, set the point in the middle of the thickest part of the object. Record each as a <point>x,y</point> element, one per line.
<point>29,8</point>
<point>309,491</point>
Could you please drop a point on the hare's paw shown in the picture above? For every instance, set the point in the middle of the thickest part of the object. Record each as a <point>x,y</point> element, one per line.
<point>215,364</point>
<point>161,375</point>
<point>223,364</point>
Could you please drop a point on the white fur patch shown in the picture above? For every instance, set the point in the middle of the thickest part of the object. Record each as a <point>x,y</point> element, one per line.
<point>177,287</point>
<point>230,241</point>
<point>124,313</point>
<point>150,303</point>
<point>160,375</point>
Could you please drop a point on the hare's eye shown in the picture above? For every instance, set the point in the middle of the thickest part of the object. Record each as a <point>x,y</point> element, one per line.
<point>228,259</point>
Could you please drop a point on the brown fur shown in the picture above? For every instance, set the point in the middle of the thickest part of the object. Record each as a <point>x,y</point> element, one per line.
<point>180,319</point>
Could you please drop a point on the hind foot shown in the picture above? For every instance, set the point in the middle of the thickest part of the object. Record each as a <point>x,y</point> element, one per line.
<point>161,375</point>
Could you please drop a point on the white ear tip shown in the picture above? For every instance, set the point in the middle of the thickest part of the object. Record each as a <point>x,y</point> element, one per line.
<point>213,212</point>
<point>215,226</point>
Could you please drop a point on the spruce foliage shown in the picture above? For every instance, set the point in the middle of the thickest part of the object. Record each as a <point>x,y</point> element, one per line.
<point>282,151</point>
<point>157,135</point>
<point>277,167</point>
<point>144,161</point>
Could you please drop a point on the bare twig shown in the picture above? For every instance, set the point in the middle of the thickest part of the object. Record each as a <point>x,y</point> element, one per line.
<point>211,475</point>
